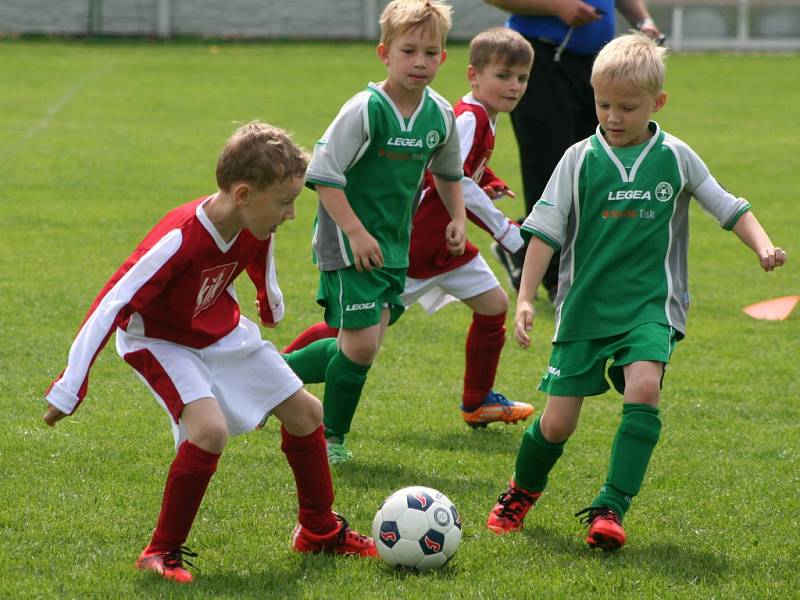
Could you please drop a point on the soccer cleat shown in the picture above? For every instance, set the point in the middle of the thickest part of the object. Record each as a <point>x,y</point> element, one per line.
<point>605,528</point>
<point>341,540</point>
<point>338,453</point>
<point>168,564</point>
<point>509,513</point>
<point>512,263</point>
<point>496,408</point>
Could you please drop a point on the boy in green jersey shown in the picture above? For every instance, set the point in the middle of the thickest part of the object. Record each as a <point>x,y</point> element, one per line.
<point>367,169</point>
<point>616,207</point>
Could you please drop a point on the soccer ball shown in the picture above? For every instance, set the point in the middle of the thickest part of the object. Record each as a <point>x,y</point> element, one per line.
<point>417,527</point>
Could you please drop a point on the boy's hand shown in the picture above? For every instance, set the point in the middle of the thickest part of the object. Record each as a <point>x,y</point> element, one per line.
<point>367,253</point>
<point>498,192</point>
<point>53,415</point>
<point>771,257</point>
<point>455,237</point>
<point>523,322</point>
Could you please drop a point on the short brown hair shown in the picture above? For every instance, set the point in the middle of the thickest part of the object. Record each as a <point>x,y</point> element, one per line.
<point>400,16</point>
<point>260,154</point>
<point>501,44</point>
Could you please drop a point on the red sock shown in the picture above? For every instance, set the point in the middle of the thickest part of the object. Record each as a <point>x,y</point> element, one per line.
<point>484,342</point>
<point>318,331</point>
<point>312,475</point>
<point>186,485</point>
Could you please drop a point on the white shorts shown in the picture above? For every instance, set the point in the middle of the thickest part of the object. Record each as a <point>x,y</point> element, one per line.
<point>245,374</point>
<point>467,281</point>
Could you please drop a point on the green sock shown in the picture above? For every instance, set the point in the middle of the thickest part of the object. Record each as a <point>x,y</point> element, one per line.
<point>311,362</point>
<point>536,458</point>
<point>344,380</point>
<point>633,445</point>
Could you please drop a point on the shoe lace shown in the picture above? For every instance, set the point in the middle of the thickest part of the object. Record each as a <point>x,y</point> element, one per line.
<point>345,532</point>
<point>177,558</point>
<point>513,500</point>
<point>498,398</point>
<point>594,512</point>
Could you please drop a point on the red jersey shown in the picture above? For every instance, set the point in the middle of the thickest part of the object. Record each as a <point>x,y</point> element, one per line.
<point>428,253</point>
<point>177,285</point>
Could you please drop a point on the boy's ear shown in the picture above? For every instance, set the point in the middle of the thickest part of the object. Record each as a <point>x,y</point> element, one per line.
<point>472,74</point>
<point>661,100</point>
<point>444,56</point>
<point>241,194</point>
<point>383,52</point>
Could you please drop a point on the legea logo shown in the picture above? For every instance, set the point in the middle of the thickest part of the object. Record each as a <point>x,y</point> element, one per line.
<point>405,142</point>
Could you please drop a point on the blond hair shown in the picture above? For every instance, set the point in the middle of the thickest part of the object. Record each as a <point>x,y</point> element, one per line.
<point>633,58</point>
<point>400,16</point>
<point>499,44</point>
<point>261,155</point>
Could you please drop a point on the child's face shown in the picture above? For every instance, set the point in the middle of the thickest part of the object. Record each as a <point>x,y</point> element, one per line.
<point>262,211</point>
<point>412,58</point>
<point>498,86</point>
<point>624,111</point>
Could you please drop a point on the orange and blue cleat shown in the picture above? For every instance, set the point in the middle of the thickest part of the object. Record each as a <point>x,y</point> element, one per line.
<point>496,408</point>
<point>512,505</point>
<point>168,564</point>
<point>605,528</point>
<point>341,540</point>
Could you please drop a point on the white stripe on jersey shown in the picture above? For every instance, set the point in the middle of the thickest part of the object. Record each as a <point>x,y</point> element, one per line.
<point>92,335</point>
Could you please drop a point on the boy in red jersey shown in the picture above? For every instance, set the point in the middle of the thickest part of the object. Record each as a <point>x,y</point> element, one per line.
<point>178,324</point>
<point>500,62</point>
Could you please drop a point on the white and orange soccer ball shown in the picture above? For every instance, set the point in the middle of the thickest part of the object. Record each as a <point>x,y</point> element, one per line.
<point>417,527</point>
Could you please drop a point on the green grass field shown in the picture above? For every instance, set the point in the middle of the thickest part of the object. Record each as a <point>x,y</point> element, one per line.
<point>99,140</point>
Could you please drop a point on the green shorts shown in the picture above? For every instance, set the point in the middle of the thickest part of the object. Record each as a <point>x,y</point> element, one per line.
<point>578,368</point>
<point>354,299</point>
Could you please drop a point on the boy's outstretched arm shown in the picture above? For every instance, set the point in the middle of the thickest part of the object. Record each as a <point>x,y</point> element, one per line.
<point>366,250</point>
<point>453,198</point>
<point>753,235</point>
<point>536,260</point>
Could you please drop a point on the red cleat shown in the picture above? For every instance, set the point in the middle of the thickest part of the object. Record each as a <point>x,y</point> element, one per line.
<point>509,513</point>
<point>605,528</point>
<point>168,564</point>
<point>341,540</point>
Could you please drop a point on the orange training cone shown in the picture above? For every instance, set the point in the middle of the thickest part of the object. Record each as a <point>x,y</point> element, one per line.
<point>776,309</point>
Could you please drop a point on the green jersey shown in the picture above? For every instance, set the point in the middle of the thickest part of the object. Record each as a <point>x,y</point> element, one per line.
<point>622,230</point>
<point>378,158</point>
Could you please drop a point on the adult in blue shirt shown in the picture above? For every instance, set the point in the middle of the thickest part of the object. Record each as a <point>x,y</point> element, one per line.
<point>557,109</point>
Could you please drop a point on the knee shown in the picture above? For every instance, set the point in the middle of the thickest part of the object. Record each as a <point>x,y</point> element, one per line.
<point>362,354</point>
<point>304,415</point>
<point>643,391</point>
<point>211,436</point>
<point>556,431</point>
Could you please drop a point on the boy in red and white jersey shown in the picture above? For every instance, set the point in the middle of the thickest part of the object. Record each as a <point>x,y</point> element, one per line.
<point>500,62</point>
<point>174,309</point>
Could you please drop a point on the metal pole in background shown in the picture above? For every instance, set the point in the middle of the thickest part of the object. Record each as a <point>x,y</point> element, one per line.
<point>164,19</point>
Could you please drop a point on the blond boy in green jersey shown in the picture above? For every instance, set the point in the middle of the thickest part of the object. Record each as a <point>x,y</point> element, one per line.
<point>616,207</point>
<point>367,169</point>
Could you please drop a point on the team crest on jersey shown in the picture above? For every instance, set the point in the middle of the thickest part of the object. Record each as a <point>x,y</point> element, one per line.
<point>212,283</point>
<point>432,139</point>
<point>664,192</point>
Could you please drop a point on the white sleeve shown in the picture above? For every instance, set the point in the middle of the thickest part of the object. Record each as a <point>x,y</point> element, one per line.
<point>482,208</point>
<point>466,125</point>
<point>712,197</point>
<point>342,144</point>
<point>548,219</point>
<point>69,389</point>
